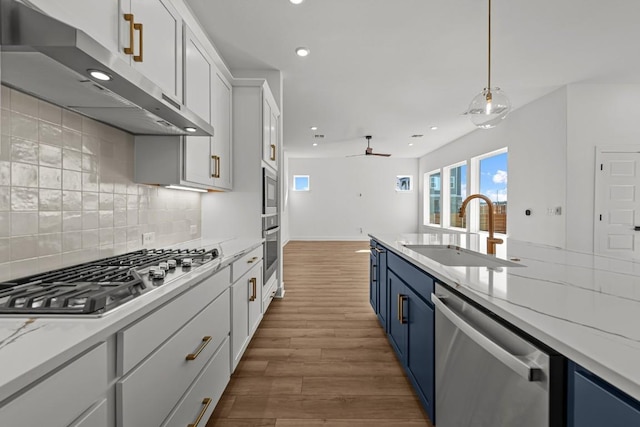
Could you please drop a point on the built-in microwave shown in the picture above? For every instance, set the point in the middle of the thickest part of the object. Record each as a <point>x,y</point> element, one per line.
<point>269,192</point>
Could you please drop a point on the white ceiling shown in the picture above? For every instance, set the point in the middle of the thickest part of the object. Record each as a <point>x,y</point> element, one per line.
<point>394,68</point>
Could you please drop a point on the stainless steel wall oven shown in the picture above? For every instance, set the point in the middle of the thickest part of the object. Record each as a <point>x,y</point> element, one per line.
<point>271,232</point>
<point>269,192</point>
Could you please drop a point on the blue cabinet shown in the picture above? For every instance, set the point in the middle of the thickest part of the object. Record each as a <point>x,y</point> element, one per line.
<point>594,402</point>
<point>377,279</point>
<point>411,326</point>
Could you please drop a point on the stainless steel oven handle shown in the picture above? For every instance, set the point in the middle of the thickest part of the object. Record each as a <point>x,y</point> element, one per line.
<point>527,371</point>
<point>272,230</point>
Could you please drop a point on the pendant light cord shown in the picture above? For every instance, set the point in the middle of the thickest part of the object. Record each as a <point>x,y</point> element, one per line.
<point>489,52</point>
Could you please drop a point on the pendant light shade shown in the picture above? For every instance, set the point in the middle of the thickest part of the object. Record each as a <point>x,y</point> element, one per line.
<point>491,106</point>
<point>488,108</point>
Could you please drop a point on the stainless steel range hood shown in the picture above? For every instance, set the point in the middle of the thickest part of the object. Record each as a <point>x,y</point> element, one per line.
<point>49,59</point>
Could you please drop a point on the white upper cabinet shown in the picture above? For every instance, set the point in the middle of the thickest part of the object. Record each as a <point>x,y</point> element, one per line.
<point>270,130</point>
<point>151,37</point>
<point>222,148</point>
<point>208,93</point>
<point>145,33</point>
<point>97,18</point>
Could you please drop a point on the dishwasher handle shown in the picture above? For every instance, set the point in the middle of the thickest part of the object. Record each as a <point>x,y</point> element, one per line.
<point>527,371</point>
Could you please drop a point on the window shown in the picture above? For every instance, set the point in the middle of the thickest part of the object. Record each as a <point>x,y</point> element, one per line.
<point>434,197</point>
<point>457,194</point>
<point>301,183</point>
<point>493,184</point>
<point>404,183</point>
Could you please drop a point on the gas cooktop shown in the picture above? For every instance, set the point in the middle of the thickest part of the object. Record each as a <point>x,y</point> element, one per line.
<point>99,286</point>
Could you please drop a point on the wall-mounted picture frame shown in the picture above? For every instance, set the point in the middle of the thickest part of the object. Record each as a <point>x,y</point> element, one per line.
<point>404,183</point>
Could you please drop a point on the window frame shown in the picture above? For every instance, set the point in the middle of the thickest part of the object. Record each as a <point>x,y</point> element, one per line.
<point>447,170</point>
<point>294,188</point>
<point>427,199</point>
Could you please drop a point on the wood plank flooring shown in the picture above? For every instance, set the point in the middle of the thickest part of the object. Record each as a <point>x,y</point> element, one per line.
<point>320,357</point>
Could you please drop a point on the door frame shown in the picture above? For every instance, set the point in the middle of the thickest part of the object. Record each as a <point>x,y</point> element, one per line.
<point>597,196</point>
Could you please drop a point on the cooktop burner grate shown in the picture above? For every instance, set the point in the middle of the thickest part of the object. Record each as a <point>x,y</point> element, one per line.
<point>96,286</point>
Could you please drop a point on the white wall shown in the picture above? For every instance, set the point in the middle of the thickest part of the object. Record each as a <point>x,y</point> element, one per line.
<point>599,115</point>
<point>349,194</point>
<point>536,139</point>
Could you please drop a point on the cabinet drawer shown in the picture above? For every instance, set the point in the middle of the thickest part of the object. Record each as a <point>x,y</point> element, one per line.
<point>242,265</point>
<point>62,397</point>
<point>140,339</point>
<point>96,416</point>
<point>210,384</point>
<point>417,279</point>
<point>269,292</point>
<point>145,396</point>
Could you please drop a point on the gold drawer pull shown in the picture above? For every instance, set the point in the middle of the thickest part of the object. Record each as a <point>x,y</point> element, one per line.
<point>129,17</point>
<point>192,356</point>
<point>138,26</point>
<point>206,402</point>
<point>273,152</point>
<point>252,260</point>
<point>254,288</point>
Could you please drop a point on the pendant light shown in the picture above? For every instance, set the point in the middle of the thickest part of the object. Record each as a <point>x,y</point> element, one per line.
<point>491,106</point>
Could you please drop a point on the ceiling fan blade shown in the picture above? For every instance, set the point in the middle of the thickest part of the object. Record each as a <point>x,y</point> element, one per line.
<point>356,155</point>
<point>380,154</point>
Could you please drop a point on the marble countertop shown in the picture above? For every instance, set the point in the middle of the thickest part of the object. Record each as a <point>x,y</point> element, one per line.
<point>31,347</point>
<point>585,306</point>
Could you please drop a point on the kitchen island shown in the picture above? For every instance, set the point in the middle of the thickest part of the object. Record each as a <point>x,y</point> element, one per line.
<point>585,307</point>
<point>34,350</point>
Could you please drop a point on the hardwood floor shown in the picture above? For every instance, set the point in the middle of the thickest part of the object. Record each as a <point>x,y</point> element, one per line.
<point>320,357</point>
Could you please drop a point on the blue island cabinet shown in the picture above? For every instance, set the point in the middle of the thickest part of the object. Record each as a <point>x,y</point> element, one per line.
<point>594,402</point>
<point>377,280</point>
<point>411,325</point>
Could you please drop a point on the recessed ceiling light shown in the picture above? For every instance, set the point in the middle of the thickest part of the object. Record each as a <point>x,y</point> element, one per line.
<point>314,127</point>
<point>100,75</point>
<point>302,51</point>
<point>296,1</point>
<point>315,144</point>
<point>411,144</point>
<point>434,127</point>
<point>190,129</point>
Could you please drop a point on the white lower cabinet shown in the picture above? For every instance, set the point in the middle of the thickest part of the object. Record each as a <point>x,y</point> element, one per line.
<point>62,397</point>
<point>246,300</point>
<point>147,395</point>
<point>198,403</point>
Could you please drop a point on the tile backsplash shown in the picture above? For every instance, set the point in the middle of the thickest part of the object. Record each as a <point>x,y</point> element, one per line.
<point>67,193</point>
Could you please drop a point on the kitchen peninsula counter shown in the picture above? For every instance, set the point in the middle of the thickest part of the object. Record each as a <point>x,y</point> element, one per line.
<point>585,306</point>
<point>30,347</point>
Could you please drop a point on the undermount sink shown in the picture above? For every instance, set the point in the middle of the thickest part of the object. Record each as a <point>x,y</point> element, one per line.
<point>456,256</point>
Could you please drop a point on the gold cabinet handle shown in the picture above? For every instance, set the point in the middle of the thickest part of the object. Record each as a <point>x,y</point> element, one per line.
<point>129,17</point>
<point>206,402</point>
<point>252,260</point>
<point>138,26</point>
<point>401,299</point>
<point>273,152</point>
<point>216,167</point>
<point>254,288</point>
<point>205,341</point>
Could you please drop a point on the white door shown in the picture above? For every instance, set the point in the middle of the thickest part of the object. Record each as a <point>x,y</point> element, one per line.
<point>198,163</point>
<point>197,77</point>
<point>617,204</point>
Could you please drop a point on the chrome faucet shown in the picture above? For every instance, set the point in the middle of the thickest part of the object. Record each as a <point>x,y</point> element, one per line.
<point>491,241</point>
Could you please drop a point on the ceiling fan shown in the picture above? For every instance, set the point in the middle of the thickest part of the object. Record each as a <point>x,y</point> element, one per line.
<point>369,150</point>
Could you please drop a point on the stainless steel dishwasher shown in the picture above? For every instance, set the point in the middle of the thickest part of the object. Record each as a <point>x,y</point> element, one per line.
<point>489,375</point>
